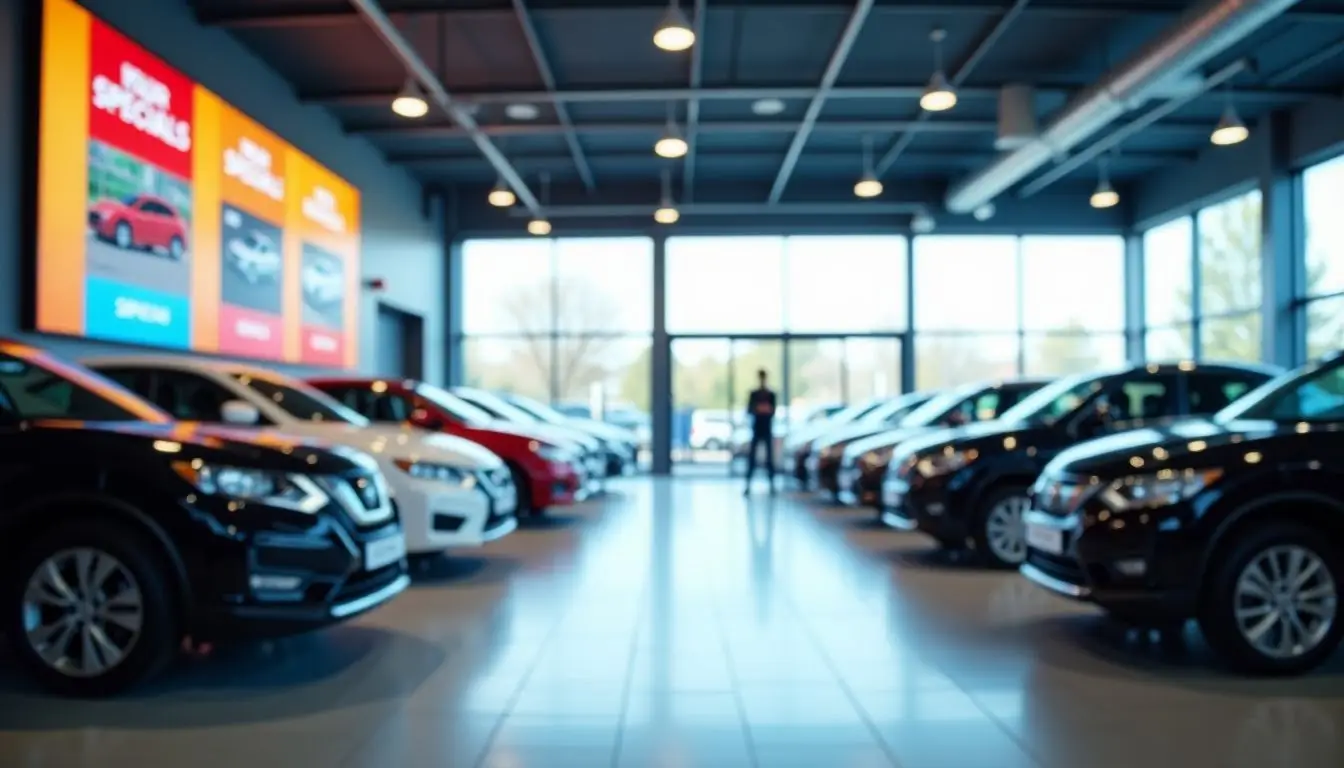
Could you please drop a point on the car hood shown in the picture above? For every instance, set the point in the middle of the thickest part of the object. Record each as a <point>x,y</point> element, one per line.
<point>889,439</point>
<point>1186,444</point>
<point>602,430</point>
<point>849,433</point>
<point>558,434</point>
<point>524,431</point>
<point>391,442</point>
<point>801,438</point>
<point>248,448</point>
<point>997,436</point>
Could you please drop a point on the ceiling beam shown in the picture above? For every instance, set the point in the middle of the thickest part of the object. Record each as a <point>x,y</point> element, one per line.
<point>548,79</point>
<point>383,27</point>
<point>286,16</point>
<point>959,75</point>
<point>552,161</point>
<point>787,93</point>
<point>838,58</point>
<point>693,104</point>
<point>734,209</point>
<point>657,128</point>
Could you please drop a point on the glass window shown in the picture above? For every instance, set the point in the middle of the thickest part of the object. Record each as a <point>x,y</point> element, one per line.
<point>1322,191</point>
<point>604,285</point>
<point>189,396</point>
<point>1212,391</point>
<point>1325,326</point>
<point>1230,277</point>
<point>816,375</point>
<point>603,370</point>
<point>507,286</point>
<point>301,401</point>
<point>1315,394</point>
<point>1168,269</point>
<point>725,284</point>
<point>1055,400</point>
<point>845,284</point>
<point>872,368</point>
<point>949,360</point>
<point>1073,283</point>
<point>1151,397</point>
<point>31,391</point>
<point>521,365</point>
<point>1056,354</point>
<point>1169,344</point>
<point>1236,337</point>
<point>454,406</point>
<point>966,283</point>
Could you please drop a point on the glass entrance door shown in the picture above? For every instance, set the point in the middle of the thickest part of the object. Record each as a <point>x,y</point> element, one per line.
<point>711,379</point>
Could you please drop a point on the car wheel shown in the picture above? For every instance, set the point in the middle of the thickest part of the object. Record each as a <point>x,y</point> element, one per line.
<point>90,612</point>
<point>526,507</point>
<point>713,444</point>
<point>999,535</point>
<point>123,236</point>
<point>1271,602</point>
<point>175,248</point>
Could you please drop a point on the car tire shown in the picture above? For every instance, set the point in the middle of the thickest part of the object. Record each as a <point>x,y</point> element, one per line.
<point>176,248</point>
<point>995,518</point>
<point>1230,587</point>
<point>123,236</point>
<point>526,506</point>
<point>713,444</point>
<point>130,565</point>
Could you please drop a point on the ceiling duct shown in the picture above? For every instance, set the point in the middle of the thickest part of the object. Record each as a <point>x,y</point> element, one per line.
<point>1017,117</point>
<point>1205,32</point>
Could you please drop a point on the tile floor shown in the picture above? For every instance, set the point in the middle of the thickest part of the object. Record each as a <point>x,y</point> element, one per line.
<point>677,624</point>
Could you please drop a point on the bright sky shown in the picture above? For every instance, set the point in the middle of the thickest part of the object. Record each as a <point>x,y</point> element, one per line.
<point>1323,190</point>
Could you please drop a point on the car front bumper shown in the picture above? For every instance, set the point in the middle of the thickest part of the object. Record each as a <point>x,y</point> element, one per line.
<point>905,509</point>
<point>439,516</point>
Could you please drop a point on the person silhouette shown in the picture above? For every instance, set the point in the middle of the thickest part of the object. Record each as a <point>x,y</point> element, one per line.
<point>761,415</point>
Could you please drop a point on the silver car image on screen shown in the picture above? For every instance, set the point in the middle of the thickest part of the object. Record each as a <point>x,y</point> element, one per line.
<point>323,287</point>
<point>253,269</point>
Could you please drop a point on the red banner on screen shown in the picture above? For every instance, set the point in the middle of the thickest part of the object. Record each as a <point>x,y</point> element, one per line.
<point>249,333</point>
<point>139,104</point>
<point>323,346</point>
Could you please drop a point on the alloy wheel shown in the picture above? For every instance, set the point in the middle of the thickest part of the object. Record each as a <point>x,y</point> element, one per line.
<point>123,236</point>
<point>1004,531</point>
<point>1285,601</point>
<point>82,612</point>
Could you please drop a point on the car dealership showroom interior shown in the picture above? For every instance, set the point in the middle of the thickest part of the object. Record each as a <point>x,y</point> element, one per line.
<point>671,383</point>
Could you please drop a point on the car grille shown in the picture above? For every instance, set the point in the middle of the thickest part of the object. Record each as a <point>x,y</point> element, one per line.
<point>1064,568</point>
<point>364,498</point>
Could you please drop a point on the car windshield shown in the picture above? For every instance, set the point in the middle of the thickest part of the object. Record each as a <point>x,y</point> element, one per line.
<point>454,406</point>
<point>935,408</point>
<point>1053,401</point>
<point>302,401</point>
<point>537,409</point>
<point>34,385</point>
<point>496,406</point>
<point>130,200</point>
<point>1315,394</point>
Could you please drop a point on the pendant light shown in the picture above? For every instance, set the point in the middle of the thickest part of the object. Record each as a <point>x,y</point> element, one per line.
<point>1105,195</point>
<point>938,96</point>
<point>674,32</point>
<point>1230,129</point>
<point>672,145</point>
<point>539,226</point>
<point>868,185</point>
<point>667,212</point>
<point>501,196</point>
<point>410,102</point>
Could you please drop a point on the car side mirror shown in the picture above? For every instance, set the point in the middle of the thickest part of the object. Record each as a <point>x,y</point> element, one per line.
<point>239,413</point>
<point>423,419</point>
<point>1095,420</point>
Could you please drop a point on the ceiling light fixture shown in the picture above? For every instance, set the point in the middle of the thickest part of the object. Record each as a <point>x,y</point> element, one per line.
<point>522,111</point>
<point>938,96</point>
<point>410,102</point>
<point>501,196</point>
<point>767,107</point>
<point>539,226</point>
<point>1105,195</point>
<point>922,223</point>
<point>672,145</point>
<point>1230,129</point>
<point>667,212</point>
<point>868,185</point>
<point>674,31</point>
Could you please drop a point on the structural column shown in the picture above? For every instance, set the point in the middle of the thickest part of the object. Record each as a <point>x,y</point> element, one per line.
<point>1135,322</point>
<point>660,367</point>
<point>452,314</point>
<point>1281,244</point>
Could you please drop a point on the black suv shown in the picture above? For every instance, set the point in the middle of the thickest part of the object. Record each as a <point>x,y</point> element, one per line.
<point>863,467</point>
<point>124,533</point>
<point>968,487</point>
<point>827,450</point>
<point>1237,521</point>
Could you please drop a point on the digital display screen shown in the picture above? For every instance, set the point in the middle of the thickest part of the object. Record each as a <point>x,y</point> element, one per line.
<point>168,218</point>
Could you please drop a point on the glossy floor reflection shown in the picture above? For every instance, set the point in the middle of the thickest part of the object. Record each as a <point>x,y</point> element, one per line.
<point>677,624</point>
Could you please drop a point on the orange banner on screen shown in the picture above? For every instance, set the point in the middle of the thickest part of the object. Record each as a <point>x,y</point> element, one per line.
<point>166,217</point>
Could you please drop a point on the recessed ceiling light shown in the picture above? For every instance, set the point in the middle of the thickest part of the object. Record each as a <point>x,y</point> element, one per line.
<point>767,107</point>
<point>522,111</point>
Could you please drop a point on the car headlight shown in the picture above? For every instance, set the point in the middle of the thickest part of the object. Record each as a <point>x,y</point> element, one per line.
<point>443,473</point>
<point>831,452</point>
<point>877,457</point>
<point>945,462</point>
<point>299,493</point>
<point>1158,490</point>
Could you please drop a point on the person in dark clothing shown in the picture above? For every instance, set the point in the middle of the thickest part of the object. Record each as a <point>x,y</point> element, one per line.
<point>761,416</point>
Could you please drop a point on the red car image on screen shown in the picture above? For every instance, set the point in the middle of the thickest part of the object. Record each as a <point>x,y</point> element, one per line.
<point>140,221</point>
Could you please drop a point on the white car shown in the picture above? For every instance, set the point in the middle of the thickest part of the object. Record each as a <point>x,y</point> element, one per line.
<point>450,492</point>
<point>323,283</point>
<point>255,257</point>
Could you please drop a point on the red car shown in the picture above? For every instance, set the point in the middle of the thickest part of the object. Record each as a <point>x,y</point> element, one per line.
<point>140,221</point>
<point>546,467</point>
